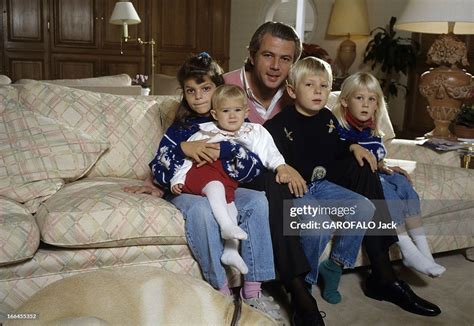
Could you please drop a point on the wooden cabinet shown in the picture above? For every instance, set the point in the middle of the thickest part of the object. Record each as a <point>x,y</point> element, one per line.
<point>51,39</point>
<point>417,120</point>
<point>184,27</point>
<point>25,39</point>
<point>84,44</point>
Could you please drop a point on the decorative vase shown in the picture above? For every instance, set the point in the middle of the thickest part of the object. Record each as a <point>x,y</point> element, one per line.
<point>145,91</point>
<point>447,85</point>
<point>444,88</point>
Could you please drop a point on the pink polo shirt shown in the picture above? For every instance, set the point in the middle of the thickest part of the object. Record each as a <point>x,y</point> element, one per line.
<point>257,112</point>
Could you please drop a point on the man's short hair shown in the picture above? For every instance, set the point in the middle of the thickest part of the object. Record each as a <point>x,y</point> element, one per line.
<point>228,92</point>
<point>275,29</point>
<point>309,65</point>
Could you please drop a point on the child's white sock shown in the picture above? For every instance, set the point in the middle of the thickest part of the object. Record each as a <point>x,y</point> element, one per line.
<point>413,258</point>
<point>419,238</point>
<point>215,193</point>
<point>231,256</point>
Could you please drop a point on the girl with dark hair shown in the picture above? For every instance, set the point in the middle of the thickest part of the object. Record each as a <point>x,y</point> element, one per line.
<point>199,76</point>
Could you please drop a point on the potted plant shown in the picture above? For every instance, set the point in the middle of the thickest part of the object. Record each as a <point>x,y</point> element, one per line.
<point>464,124</point>
<point>394,54</point>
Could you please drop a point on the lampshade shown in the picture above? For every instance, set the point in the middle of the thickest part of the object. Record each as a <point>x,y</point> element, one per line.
<point>349,17</point>
<point>124,12</point>
<point>433,16</point>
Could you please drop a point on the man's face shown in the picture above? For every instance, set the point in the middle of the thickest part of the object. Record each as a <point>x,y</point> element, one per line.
<point>272,62</point>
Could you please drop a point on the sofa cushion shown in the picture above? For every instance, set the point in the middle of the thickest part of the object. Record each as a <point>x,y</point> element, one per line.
<point>130,124</point>
<point>7,94</point>
<point>32,194</point>
<point>96,212</point>
<point>35,148</point>
<point>5,80</point>
<point>75,108</point>
<point>134,132</point>
<point>19,234</point>
<point>441,189</point>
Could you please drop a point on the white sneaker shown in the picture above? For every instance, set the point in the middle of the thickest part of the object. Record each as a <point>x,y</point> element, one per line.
<point>267,305</point>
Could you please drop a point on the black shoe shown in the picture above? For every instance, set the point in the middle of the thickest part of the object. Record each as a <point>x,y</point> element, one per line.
<point>310,319</point>
<point>400,293</point>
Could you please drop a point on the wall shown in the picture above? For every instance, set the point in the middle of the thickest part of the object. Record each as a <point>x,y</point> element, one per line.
<point>247,15</point>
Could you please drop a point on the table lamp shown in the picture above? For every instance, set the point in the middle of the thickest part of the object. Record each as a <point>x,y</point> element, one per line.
<point>446,85</point>
<point>349,17</point>
<point>124,14</point>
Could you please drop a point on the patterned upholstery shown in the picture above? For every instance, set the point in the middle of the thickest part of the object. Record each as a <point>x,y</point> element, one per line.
<point>7,94</point>
<point>96,212</point>
<point>92,224</point>
<point>134,132</point>
<point>131,125</point>
<point>19,234</point>
<point>74,108</point>
<point>35,149</point>
<point>411,150</point>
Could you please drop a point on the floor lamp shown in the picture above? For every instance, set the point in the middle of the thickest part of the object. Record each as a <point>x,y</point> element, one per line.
<point>446,85</point>
<point>125,14</point>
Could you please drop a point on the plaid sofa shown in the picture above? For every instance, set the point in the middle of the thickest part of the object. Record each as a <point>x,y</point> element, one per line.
<point>66,155</point>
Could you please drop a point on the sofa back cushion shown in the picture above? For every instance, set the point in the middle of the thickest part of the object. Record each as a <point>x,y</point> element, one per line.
<point>19,233</point>
<point>134,132</point>
<point>7,94</point>
<point>131,125</point>
<point>115,80</point>
<point>96,212</point>
<point>36,152</point>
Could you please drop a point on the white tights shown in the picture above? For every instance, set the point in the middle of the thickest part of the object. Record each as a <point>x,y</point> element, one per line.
<point>226,216</point>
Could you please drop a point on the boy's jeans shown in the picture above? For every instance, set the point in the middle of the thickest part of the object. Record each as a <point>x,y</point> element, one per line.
<point>346,246</point>
<point>204,236</point>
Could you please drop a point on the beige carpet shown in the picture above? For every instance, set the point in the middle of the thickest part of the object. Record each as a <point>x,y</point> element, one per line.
<point>453,292</point>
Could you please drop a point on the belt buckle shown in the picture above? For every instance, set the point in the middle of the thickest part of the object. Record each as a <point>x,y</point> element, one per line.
<point>319,173</point>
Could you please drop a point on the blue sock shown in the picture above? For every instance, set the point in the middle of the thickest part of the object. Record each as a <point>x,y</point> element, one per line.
<point>330,274</point>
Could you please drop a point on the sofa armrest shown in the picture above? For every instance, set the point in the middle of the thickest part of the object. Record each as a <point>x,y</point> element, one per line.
<point>410,150</point>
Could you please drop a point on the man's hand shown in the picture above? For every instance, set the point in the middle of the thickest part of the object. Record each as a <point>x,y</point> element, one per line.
<point>282,174</point>
<point>201,151</point>
<point>177,189</point>
<point>362,154</point>
<point>297,184</point>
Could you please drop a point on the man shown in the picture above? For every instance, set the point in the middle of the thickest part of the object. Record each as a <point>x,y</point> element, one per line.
<point>274,47</point>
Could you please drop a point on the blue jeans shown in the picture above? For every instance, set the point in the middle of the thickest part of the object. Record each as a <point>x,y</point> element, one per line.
<point>402,199</point>
<point>345,246</point>
<point>204,237</point>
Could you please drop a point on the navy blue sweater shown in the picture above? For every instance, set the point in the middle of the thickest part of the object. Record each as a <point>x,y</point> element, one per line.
<point>170,156</point>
